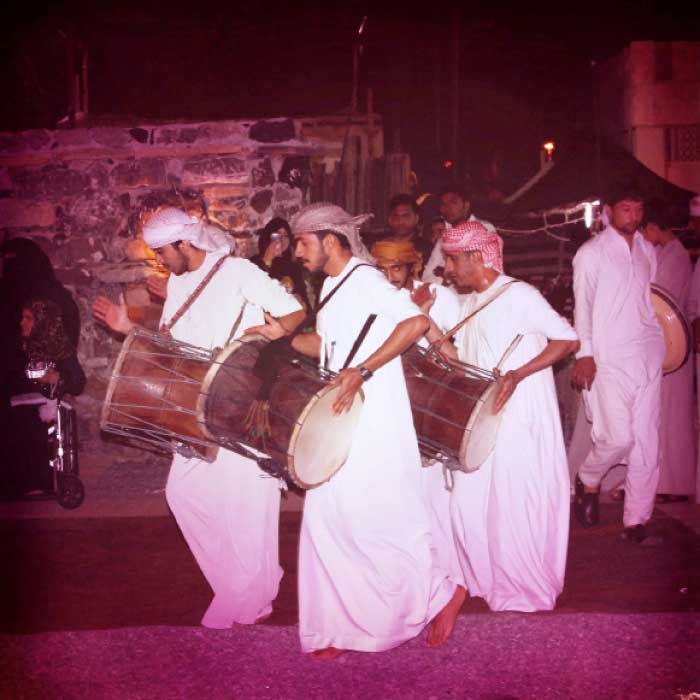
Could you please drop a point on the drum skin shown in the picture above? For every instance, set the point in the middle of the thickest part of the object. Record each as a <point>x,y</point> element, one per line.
<point>674,326</point>
<point>451,409</point>
<point>154,386</point>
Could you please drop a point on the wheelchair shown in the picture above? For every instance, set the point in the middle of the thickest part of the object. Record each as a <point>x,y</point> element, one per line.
<point>62,434</point>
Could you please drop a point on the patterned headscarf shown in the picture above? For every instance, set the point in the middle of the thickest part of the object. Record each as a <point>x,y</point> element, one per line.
<point>169,224</point>
<point>48,339</point>
<point>398,251</point>
<point>323,216</point>
<point>472,236</point>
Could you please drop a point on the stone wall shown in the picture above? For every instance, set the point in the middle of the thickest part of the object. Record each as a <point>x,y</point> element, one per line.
<point>77,192</point>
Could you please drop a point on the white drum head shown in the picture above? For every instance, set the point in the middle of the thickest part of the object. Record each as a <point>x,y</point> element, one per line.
<point>674,327</point>
<point>321,441</point>
<point>481,431</point>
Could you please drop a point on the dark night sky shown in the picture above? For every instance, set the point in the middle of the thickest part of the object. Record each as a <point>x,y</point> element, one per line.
<point>525,70</point>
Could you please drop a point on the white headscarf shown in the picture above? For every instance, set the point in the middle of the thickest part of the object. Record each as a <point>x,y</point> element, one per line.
<point>169,224</point>
<point>694,206</point>
<point>323,216</point>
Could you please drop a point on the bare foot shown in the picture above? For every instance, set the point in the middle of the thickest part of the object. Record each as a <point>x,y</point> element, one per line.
<point>329,653</point>
<point>443,623</point>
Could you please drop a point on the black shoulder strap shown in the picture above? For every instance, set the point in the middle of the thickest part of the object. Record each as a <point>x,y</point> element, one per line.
<point>328,296</point>
<point>358,341</point>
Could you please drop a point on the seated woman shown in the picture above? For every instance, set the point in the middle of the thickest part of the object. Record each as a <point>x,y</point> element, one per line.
<point>47,365</point>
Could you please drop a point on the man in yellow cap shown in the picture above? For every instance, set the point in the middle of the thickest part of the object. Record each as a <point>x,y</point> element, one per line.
<point>402,264</point>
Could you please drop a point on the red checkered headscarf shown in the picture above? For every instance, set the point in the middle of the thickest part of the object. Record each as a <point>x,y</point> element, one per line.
<point>473,235</point>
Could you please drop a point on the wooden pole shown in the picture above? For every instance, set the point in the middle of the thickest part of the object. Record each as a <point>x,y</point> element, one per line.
<point>455,90</point>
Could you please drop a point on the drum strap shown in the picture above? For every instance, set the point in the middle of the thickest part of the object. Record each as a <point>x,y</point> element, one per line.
<point>482,306</point>
<point>330,295</point>
<point>361,336</point>
<point>165,328</point>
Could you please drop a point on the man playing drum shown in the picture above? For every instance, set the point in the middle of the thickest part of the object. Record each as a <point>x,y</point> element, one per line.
<point>227,510</point>
<point>367,578</point>
<point>618,367</point>
<point>510,518</point>
<point>400,263</point>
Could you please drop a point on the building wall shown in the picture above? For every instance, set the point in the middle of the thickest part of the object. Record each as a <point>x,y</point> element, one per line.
<point>78,192</point>
<point>650,103</point>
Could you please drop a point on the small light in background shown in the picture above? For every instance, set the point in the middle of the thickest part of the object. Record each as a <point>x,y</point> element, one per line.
<point>548,149</point>
<point>447,164</point>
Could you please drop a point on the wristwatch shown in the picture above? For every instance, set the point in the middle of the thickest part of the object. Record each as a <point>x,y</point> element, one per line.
<point>365,373</point>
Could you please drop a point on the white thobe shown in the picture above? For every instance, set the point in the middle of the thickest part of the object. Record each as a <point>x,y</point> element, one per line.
<point>511,517</point>
<point>367,577</point>
<point>694,313</point>
<point>444,311</point>
<point>437,257</point>
<point>228,510</point>
<point>676,445</point>
<point>617,326</point>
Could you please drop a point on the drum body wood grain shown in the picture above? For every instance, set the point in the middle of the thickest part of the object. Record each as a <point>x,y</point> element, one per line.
<point>452,405</point>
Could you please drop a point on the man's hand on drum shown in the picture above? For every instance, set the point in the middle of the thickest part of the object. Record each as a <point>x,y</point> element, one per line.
<point>506,384</point>
<point>272,329</point>
<point>349,381</point>
<point>157,286</point>
<point>114,316</point>
<point>584,373</point>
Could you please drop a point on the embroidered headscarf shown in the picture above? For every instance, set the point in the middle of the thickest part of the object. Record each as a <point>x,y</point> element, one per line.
<point>169,225</point>
<point>48,339</point>
<point>398,251</point>
<point>323,216</point>
<point>472,235</point>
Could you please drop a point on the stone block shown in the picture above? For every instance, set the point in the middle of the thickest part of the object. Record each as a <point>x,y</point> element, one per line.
<point>99,176</point>
<point>272,130</point>
<point>75,276</point>
<point>263,176</point>
<point>142,172</point>
<point>37,139</point>
<point>139,135</point>
<point>98,213</point>
<point>231,220</point>
<point>52,181</point>
<point>11,143</point>
<point>71,138</point>
<point>261,201</point>
<point>284,193</point>
<point>112,137</point>
<point>211,169</point>
<point>215,191</point>
<point>15,213</point>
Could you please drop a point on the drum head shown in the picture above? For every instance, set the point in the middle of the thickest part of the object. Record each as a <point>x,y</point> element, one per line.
<point>321,441</point>
<point>674,327</point>
<point>481,431</point>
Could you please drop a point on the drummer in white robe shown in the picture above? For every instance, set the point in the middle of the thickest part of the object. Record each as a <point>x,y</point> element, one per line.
<point>228,510</point>
<point>367,577</point>
<point>676,445</point>
<point>510,518</point>
<point>400,263</point>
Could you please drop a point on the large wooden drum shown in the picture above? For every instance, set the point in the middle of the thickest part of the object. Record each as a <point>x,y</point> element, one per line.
<point>276,409</point>
<point>452,405</point>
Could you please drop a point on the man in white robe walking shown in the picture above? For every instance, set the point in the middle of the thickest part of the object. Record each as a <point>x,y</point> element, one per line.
<point>227,510</point>
<point>510,518</point>
<point>618,367</point>
<point>368,580</point>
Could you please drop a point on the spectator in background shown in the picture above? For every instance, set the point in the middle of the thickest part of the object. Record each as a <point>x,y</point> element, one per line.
<point>404,221</point>
<point>694,317</point>
<point>676,449</point>
<point>455,208</point>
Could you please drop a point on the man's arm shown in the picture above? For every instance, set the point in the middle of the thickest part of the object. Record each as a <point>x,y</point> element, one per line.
<point>554,351</point>
<point>403,336</point>
<point>307,344</point>
<point>584,291</point>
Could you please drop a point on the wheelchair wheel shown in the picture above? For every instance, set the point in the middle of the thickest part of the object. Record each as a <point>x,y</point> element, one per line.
<point>71,492</point>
